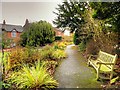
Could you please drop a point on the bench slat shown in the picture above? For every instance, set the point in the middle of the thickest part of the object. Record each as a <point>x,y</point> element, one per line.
<point>104,63</point>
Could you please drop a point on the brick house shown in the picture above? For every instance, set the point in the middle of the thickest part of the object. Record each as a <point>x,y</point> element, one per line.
<point>12,32</point>
<point>58,32</point>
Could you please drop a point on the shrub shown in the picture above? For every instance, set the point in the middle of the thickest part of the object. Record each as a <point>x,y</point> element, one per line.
<point>92,47</point>
<point>35,77</point>
<point>58,38</point>
<point>58,54</point>
<point>75,39</point>
<point>38,34</point>
<point>47,52</point>
<point>94,15</point>
<point>60,45</point>
<point>51,65</point>
<point>6,42</point>
<point>18,56</point>
<point>82,46</point>
<point>68,38</point>
<point>52,53</point>
<point>6,62</point>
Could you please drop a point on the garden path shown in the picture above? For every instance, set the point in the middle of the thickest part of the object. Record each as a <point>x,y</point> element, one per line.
<point>73,72</point>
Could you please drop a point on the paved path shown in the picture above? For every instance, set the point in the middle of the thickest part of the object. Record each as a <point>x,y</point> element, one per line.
<point>73,72</point>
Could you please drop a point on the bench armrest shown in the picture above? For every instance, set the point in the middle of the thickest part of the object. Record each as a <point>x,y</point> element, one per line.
<point>105,63</point>
<point>92,56</point>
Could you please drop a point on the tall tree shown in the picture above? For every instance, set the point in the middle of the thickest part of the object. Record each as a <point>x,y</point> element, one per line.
<point>104,22</point>
<point>109,12</point>
<point>70,14</point>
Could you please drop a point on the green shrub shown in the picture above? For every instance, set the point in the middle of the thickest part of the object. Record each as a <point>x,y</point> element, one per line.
<point>46,52</point>
<point>78,37</point>
<point>60,45</point>
<point>52,53</point>
<point>38,34</point>
<point>82,46</point>
<point>35,77</point>
<point>75,39</point>
<point>94,15</point>
<point>58,54</point>
<point>58,38</point>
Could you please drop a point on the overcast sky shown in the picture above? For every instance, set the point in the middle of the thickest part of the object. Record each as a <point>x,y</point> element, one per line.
<point>18,12</point>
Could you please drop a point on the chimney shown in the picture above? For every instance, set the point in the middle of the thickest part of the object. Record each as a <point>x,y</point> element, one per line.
<point>4,22</point>
<point>26,22</point>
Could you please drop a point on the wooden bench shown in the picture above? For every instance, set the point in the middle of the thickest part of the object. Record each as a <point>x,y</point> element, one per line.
<point>104,64</point>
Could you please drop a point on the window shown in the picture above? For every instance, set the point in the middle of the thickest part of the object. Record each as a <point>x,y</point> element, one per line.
<point>13,33</point>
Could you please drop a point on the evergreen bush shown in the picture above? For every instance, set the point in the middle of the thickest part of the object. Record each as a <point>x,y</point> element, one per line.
<point>82,46</point>
<point>58,38</point>
<point>38,34</point>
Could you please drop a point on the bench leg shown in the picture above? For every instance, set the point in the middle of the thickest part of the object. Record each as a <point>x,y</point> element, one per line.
<point>98,75</point>
<point>88,63</point>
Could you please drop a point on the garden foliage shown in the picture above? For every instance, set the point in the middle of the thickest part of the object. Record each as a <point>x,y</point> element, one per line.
<point>19,56</point>
<point>21,72</point>
<point>6,42</point>
<point>96,22</point>
<point>35,77</point>
<point>38,34</point>
<point>58,38</point>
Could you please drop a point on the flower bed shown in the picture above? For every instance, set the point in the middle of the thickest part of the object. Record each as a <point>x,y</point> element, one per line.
<point>18,58</point>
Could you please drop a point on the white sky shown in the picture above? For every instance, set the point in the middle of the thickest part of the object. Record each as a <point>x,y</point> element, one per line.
<point>31,0</point>
<point>0,11</point>
<point>18,12</point>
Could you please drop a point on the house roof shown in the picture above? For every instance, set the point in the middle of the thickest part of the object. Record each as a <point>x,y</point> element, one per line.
<point>8,27</point>
<point>26,26</point>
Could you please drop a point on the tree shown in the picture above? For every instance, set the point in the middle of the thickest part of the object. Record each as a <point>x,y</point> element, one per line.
<point>109,12</point>
<point>103,18</point>
<point>39,33</point>
<point>70,15</point>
